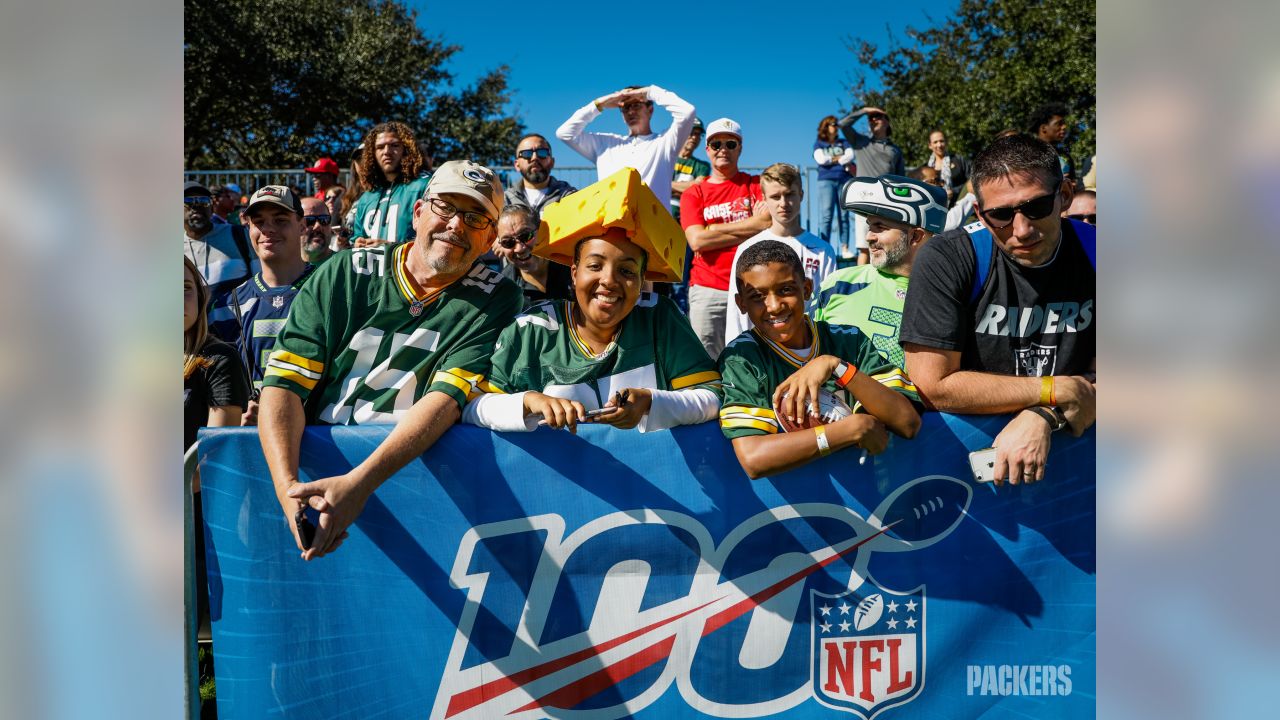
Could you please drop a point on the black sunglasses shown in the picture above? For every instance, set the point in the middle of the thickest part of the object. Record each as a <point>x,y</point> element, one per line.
<point>520,237</point>
<point>542,153</point>
<point>728,144</point>
<point>1033,209</point>
<point>317,219</point>
<point>1091,218</point>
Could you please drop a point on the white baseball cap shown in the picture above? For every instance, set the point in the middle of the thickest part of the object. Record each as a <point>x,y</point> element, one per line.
<point>724,126</point>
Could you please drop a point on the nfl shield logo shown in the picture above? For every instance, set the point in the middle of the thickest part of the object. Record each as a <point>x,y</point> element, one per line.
<point>868,648</point>
<point>277,301</point>
<point>1035,361</point>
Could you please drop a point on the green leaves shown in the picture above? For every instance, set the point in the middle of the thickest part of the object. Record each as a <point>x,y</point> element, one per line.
<point>984,70</point>
<point>271,83</point>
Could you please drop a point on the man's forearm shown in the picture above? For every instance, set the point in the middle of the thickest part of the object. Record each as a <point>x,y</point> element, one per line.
<point>724,235</point>
<point>967,391</point>
<point>281,421</point>
<point>417,431</point>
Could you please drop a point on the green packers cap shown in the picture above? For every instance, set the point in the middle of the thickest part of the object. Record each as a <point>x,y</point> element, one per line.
<point>464,177</point>
<point>897,198</point>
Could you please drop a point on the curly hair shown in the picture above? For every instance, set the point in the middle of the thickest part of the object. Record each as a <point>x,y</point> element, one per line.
<point>410,164</point>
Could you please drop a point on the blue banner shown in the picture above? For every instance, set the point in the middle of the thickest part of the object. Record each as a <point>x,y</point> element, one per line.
<point>613,574</point>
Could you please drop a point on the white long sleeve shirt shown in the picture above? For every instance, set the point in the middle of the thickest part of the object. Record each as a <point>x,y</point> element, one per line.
<point>652,155</point>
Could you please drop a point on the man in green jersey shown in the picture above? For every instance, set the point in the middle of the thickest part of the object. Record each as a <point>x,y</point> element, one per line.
<point>395,334</point>
<point>782,368</point>
<point>396,174</point>
<point>901,215</point>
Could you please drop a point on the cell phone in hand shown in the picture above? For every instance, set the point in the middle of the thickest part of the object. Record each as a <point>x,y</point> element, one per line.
<point>983,464</point>
<point>596,413</point>
<point>306,531</point>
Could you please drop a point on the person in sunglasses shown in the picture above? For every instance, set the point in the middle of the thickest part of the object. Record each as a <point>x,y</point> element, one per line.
<point>536,188</point>
<point>397,334</point>
<point>221,252</point>
<point>1084,207</point>
<point>718,214</point>
<point>318,222</point>
<point>1001,315</point>
<point>258,307</point>
<point>652,154</point>
<point>535,276</point>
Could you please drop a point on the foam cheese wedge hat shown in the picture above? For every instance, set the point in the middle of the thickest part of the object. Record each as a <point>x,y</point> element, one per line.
<point>619,202</point>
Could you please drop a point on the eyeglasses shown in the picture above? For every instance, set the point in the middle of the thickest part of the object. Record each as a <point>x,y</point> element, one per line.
<point>727,144</point>
<point>520,237</point>
<point>542,153</point>
<point>198,200</point>
<point>478,221</point>
<point>1091,218</point>
<point>1034,209</point>
<point>317,219</point>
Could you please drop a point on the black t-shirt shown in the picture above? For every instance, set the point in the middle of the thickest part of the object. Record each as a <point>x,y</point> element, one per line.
<point>1027,321</point>
<point>224,382</point>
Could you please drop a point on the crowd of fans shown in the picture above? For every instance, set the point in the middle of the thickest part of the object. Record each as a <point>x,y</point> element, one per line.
<point>421,298</point>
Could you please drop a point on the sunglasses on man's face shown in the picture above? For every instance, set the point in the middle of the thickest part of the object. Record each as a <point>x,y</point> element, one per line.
<point>509,241</point>
<point>1033,209</point>
<point>198,200</point>
<point>317,219</point>
<point>726,144</point>
<point>1091,218</point>
<point>542,153</point>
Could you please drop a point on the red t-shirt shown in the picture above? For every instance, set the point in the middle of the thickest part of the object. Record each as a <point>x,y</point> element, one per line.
<point>707,204</point>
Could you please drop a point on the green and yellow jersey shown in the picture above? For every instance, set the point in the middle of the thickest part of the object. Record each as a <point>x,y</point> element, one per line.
<point>363,341</point>
<point>752,367</point>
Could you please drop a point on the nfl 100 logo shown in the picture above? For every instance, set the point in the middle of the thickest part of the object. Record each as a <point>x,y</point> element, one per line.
<point>868,648</point>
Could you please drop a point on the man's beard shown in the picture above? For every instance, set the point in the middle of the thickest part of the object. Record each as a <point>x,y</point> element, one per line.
<point>199,223</point>
<point>534,173</point>
<point>893,255</point>
<point>315,244</point>
<point>444,265</point>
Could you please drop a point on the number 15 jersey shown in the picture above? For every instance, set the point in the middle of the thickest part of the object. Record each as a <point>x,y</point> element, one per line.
<point>363,342</point>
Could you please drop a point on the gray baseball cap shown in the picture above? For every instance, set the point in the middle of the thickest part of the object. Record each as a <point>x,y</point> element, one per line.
<point>464,177</point>
<point>278,195</point>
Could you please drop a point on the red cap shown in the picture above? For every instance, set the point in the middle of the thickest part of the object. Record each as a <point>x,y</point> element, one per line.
<point>324,165</point>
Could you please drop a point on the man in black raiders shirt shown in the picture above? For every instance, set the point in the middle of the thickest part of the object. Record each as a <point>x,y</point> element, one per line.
<point>1001,314</point>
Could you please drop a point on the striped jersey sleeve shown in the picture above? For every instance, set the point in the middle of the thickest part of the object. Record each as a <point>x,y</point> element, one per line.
<point>747,408</point>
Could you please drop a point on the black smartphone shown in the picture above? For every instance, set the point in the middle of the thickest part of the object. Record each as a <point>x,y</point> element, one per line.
<point>306,531</point>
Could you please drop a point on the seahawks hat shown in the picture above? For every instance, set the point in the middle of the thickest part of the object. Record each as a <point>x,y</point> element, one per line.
<point>897,198</point>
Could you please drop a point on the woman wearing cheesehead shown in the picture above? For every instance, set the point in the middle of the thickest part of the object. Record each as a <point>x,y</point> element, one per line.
<point>786,359</point>
<point>562,358</point>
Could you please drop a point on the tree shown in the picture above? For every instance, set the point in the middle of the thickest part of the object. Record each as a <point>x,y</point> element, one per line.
<point>984,70</point>
<point>276,84</point>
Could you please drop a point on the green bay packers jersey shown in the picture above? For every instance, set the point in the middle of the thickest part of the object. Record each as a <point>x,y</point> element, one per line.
<point>752,367</point>
<point>387,213</point>
<point>363,341</point>
<point>868,299</point>
<point>655,348</point>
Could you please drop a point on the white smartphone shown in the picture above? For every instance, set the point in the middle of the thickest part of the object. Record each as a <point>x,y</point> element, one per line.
<point>983,464</point>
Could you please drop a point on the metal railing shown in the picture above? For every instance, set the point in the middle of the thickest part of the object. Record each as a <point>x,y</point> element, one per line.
<point>578,176</point>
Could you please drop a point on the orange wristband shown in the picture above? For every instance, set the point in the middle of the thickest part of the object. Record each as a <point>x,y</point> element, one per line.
<point>844,373</point>
<point>1047,395</point>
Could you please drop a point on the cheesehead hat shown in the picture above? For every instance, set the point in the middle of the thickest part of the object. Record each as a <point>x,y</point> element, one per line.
<point>620,202</point>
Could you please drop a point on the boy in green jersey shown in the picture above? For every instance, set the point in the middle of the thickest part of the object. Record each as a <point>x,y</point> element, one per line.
<point>901,214</point>
<point>612,347</point>
<point>783,365</point>
<point>398,334</point>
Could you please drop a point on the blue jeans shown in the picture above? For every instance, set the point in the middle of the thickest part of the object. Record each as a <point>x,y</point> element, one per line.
<point>830,213</point>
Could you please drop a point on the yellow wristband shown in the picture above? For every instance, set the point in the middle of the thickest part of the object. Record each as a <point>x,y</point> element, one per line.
<point>824,447</point>
<point>1047,395</point>
<point>597,104</point>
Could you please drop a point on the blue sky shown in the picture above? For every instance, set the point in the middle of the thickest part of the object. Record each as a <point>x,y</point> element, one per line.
<point>775,67</point>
